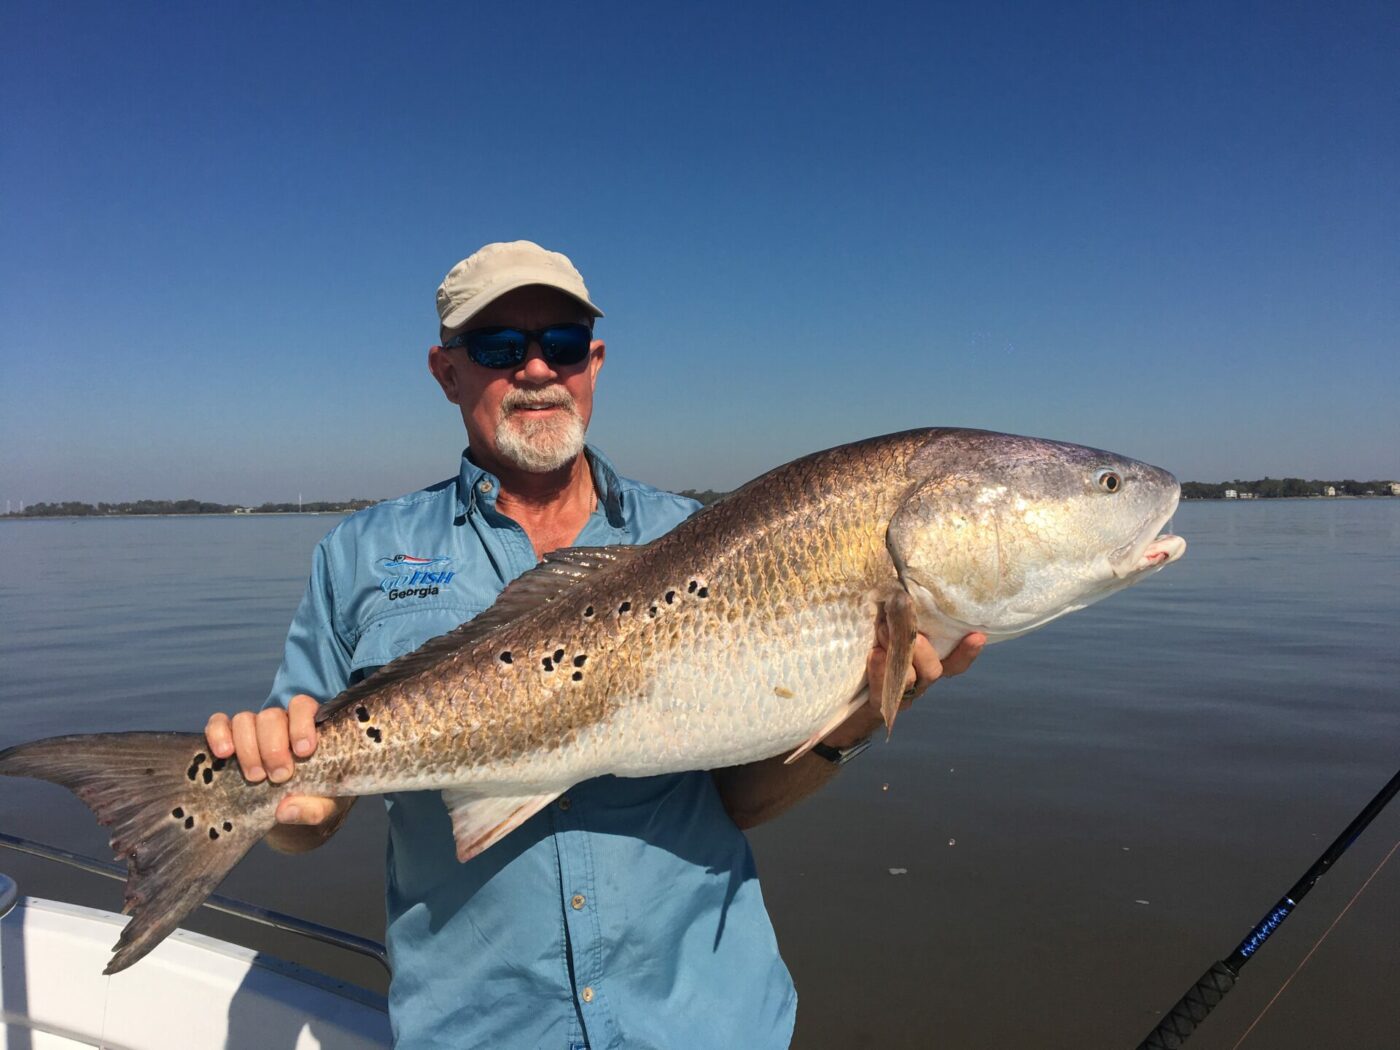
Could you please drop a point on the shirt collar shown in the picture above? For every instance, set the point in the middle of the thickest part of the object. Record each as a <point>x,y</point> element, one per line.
<point>476,486</point>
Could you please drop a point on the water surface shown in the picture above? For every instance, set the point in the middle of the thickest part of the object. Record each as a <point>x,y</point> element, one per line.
<point>1086,820</point>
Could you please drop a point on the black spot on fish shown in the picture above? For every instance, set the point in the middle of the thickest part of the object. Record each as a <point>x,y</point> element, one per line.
<point>189,822</point>
<point>209,776</point>
<point>200,758</point>
<point>651,611</point>
<point>670,597</point>
<point>624,607</point>
<point>703,592</point>
<point>506,658</point>
<point>547,664</point>
<point>177,812</point>
<point>362,713</point>
<point>150,771</point>
<point>558,656</point>
<point>228,825</point>
<point>692,586</point>
<point>588,612</point>
<point>192,772</point>
<point>580,659</point>
<point>374,734</point>
<point>219,764</point>
<point>578,676</point>
<point>213,834</point>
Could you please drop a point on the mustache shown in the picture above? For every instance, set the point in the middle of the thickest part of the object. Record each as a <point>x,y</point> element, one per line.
<point>551,397</point>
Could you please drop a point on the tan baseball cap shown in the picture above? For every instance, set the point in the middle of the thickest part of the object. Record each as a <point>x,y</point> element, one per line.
<point>498,268</point>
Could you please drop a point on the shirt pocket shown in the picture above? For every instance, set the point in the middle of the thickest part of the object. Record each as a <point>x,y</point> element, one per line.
<point>399,633</point>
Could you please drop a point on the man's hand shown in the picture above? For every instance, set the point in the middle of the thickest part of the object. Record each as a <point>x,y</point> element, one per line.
<point>926,670</point>
<point>264,742</point>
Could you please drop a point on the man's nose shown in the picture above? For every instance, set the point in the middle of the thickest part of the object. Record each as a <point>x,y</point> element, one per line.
<point>535,369</point>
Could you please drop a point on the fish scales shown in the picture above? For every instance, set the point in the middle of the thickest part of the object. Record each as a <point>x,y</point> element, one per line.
<point>787,567</point>
<point>743,633</point>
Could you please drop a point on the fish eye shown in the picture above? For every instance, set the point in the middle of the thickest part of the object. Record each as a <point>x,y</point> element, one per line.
<point>1108,480</point>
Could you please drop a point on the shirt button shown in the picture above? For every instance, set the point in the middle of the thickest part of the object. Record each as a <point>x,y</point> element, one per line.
<point>564,803</point>
<point>588,994</point>
<point>577,901</point>
<point>483,485</point>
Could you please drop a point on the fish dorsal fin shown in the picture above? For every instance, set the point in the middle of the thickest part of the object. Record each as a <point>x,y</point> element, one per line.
<point>555,576</point>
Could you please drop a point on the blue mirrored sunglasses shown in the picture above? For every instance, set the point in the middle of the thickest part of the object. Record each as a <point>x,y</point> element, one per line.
<point>561,344</point>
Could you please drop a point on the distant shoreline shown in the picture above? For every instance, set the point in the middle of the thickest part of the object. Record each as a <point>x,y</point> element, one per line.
<point>705,497</point>
<point>178,514</point>
<point>189,508</point>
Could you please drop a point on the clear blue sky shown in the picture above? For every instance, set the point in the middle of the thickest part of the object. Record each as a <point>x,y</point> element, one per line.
<point>1169,229</point>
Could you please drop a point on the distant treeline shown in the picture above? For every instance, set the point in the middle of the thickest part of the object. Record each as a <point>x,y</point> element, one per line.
<point>1276,488</point>
<point>72,509</point>
<point>1265,488</point>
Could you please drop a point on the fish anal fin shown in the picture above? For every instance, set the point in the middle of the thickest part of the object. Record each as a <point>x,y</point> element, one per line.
<point>480,821</point>
<point>902,624</point>
<point>860,700</point>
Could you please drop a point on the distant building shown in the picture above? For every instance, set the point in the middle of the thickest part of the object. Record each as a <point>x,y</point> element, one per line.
<point>1395,488</point>
<point>1329,490</point>
<point>1231,494</point>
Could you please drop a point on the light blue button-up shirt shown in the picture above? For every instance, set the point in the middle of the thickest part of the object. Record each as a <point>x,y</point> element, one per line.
<point>625,914</point>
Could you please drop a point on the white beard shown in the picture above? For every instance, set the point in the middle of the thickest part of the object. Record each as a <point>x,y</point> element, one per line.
<point>539,445</point>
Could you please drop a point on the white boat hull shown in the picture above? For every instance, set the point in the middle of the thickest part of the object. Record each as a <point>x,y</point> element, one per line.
<point>192,992</point>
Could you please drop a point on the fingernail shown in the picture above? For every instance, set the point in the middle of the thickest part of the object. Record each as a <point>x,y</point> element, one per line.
<point>279,774</point>
<point>302,746</point>
<point>254,773</point>
<point>291,814</point>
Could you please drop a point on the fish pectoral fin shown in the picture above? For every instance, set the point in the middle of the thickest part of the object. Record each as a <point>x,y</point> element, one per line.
<point>902,623</point>
<point>480,821</point>
<point>861,699</point>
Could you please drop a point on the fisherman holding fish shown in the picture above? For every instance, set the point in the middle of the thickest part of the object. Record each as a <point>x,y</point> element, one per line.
<point>627,910</point>
<point>585,688</point>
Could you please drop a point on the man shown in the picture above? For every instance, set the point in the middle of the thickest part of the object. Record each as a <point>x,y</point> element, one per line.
<point>627,913</point>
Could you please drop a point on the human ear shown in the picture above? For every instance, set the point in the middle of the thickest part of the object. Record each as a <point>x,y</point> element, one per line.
<point>444,370</point>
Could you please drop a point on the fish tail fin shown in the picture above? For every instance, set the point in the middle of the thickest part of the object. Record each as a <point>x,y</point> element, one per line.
<point>180,818</point>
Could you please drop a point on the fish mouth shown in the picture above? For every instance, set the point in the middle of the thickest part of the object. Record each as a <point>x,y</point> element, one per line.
<point>1152,554</point>
<point>1161,551</point>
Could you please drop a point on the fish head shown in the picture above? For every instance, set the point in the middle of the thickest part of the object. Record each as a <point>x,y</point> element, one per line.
<point>1002,534</point>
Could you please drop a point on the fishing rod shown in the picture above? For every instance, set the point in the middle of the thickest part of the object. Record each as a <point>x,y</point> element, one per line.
<point>1193,1007</point>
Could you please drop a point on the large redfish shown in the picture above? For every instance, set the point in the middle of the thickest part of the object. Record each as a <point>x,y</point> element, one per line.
<point>740,635</point>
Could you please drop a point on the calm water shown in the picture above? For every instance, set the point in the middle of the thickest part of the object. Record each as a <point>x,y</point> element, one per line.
<point>1088,819</point>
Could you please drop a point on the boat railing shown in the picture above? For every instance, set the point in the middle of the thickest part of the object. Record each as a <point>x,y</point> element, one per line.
<point>216,902</point>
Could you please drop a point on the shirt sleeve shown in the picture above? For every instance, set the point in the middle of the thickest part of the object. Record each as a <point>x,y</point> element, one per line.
<point>316,660</point>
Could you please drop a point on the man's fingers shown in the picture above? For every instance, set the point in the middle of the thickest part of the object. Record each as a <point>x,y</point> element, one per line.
<point>925,668</point>
<point>273,744</point>
<point>245,741</point>
<point>305,809</point>
<point>960,659</point>
<point>218,734</point>
<point>301,717</point>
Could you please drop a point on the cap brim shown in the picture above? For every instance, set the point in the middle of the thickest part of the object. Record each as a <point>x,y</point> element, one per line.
<point>464,313</point>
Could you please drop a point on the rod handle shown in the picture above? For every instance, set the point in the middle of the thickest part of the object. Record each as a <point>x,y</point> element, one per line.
<point>1176,1027</point>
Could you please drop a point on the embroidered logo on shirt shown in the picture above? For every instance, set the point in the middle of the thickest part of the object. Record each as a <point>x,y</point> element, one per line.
<point>409,576</point>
